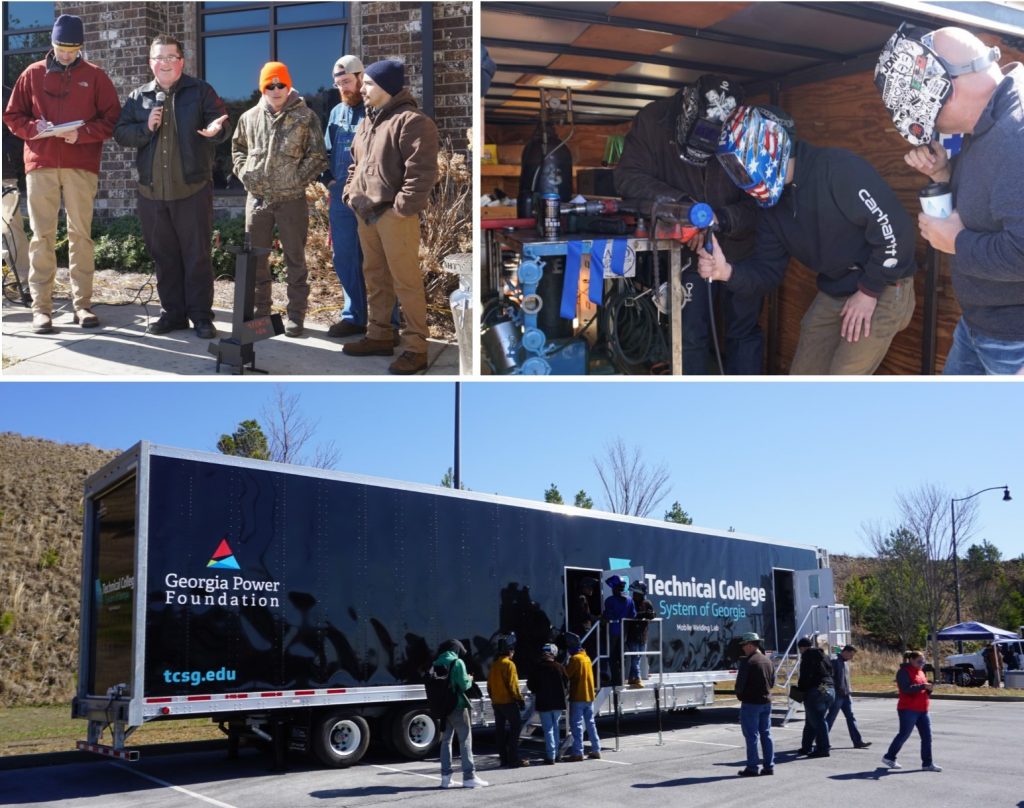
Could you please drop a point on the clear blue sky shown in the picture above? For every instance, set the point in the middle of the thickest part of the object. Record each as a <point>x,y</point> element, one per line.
<point>804,461</point>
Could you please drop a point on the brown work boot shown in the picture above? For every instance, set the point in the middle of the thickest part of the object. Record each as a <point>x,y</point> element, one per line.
<point>86,319</point>
<point>345,328</point>
<point>369,347</point>
<point>408,363</point>
<point>42,323</point>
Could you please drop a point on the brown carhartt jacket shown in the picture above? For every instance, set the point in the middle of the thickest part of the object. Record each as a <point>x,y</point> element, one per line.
<point>394,160</point>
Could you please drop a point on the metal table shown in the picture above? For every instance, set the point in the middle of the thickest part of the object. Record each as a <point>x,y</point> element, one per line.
<point>529,245</point>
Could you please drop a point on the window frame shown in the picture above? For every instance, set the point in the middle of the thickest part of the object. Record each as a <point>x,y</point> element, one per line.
<point>203,10</point>
<point>9,32</point>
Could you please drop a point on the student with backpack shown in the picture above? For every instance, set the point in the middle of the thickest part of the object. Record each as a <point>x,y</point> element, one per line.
<point>453,705</point>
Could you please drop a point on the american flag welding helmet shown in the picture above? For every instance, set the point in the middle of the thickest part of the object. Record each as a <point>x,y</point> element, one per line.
<point>754,149</point>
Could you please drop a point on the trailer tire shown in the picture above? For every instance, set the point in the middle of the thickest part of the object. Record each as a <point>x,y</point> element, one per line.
<point>414,733</point>
<point>340,739</point>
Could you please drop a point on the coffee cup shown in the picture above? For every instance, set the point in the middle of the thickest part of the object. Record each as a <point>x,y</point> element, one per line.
<point>936,199</point>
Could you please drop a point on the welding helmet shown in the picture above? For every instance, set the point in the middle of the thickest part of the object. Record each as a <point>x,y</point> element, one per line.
<point>706,104</point>
<point>916,82</point>
<point>615,582</point>
<point>754,150</point>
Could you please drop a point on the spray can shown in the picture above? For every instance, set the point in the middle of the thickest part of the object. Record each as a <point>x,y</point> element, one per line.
<point>552,215</point>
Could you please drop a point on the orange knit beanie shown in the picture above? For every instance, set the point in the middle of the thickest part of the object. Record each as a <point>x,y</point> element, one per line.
<point>273,70</point>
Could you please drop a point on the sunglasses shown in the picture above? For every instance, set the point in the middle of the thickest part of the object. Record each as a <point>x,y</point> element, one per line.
<point>276,86</point>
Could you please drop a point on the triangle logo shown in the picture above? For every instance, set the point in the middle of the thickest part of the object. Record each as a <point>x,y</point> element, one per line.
<point>223,558</point>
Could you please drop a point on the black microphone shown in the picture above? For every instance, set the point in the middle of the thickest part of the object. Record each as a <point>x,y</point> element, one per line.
<point>160,98</point>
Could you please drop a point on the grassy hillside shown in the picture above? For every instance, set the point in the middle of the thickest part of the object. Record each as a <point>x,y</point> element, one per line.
<point>40,541</point>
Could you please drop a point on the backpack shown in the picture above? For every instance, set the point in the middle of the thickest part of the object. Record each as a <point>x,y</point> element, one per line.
<point>441,698</point>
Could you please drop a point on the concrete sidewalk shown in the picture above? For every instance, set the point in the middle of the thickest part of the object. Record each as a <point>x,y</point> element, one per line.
<point>121,347</point>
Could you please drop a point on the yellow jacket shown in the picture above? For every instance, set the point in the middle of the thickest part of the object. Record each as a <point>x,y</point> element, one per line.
<point>503,682</point>
<point>581,677</point>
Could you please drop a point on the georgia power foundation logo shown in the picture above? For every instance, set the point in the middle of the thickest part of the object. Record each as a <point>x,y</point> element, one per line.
<point>221,590</point>
<point>223,558</point>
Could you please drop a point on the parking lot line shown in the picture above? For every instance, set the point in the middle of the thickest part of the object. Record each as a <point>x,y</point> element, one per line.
<point>173,787</point>
<point>406,771</point>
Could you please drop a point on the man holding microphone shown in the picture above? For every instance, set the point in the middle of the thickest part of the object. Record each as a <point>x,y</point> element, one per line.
<point>949,80</point>
<point>176,122</point>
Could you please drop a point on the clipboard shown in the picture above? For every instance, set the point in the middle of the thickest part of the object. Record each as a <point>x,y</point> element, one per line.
<point>56,129</point>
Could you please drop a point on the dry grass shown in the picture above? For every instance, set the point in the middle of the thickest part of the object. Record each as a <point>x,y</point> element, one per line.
<point>35,730</point>
<point>40,541</point>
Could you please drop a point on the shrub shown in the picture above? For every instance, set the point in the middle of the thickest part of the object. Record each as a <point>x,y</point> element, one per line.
<point>120,246</point>
<point>6,622</point>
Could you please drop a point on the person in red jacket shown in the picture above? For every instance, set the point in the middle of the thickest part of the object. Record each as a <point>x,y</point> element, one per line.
<point>912,708</point>
<point>62,88</point>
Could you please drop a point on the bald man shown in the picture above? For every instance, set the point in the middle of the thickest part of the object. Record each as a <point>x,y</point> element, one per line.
<point>985,233</point>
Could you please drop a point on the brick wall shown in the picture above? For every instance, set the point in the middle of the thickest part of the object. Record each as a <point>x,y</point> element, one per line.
<point>117,37</point>
<point>395,31</point>
<point>453,70</point>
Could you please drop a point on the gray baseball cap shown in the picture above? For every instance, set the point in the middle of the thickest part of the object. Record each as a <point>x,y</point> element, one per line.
<point>349,64</point>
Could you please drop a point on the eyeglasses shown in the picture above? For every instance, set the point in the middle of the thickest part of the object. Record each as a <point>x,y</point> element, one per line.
<point>276,86</point>
<point>169,59</point>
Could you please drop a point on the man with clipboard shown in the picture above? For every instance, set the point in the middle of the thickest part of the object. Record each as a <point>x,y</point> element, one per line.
<point>62,160</point>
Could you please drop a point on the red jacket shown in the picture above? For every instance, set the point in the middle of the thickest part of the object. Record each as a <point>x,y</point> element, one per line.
<point>913,694</point>
<point>82,92</point>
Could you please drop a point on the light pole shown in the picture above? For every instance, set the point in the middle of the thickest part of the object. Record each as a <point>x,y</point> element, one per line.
<point>956,565</point>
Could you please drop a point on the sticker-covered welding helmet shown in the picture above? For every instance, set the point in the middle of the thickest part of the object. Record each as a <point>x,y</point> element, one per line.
<point>705,105</point>
<point>754,149</point>
<point>915,82</point>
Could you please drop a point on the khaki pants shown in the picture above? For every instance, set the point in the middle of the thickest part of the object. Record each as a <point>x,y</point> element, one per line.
<point>391,267</point>
<point>823,351</point>
<point>45,188</point>
<point>292,219</point>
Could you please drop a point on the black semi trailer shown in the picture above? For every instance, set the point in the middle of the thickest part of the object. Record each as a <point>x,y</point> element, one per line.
<point>303,606</point>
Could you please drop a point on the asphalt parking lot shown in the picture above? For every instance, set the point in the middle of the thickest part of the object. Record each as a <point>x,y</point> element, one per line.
<point>976,742</point>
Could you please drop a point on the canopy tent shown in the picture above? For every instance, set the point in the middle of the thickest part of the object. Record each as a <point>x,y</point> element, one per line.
<point>974,631</point>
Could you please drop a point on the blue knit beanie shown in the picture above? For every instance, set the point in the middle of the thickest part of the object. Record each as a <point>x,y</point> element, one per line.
<point>68,31</point>
<point>388,74</point>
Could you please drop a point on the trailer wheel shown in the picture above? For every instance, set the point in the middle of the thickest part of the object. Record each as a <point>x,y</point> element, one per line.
<point>414,733</point>
<point>340,740</point>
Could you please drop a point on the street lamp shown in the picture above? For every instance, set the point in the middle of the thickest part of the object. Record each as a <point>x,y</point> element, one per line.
<point>956,565</point>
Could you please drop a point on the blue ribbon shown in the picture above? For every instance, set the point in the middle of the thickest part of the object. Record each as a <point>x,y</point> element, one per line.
<point>598,269</point>
<point>571,282</point>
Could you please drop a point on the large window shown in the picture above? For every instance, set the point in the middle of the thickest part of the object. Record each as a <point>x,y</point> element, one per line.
<point>237,39</point>
<point>27,28</point>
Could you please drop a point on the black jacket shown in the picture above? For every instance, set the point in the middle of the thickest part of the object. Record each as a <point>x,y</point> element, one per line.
<point>650,168</point>
<point>838,218</point>
<point>549,684</point>
<point>755,679</point>
<point>196,105</point>
<point>815,670</point>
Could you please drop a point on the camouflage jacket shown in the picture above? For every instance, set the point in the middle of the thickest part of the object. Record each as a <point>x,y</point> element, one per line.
<point>276,155</point>
<point>394,160</point>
